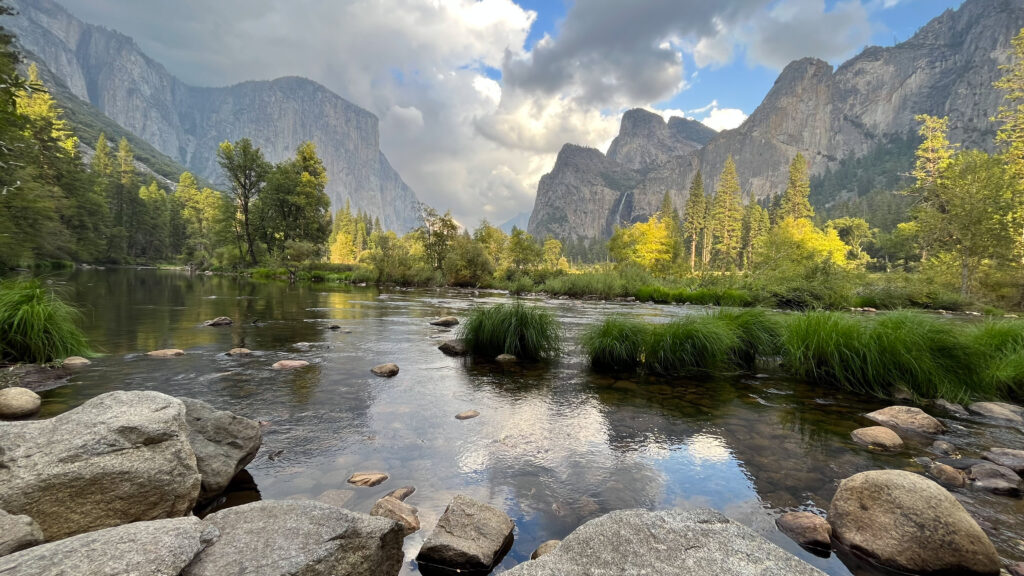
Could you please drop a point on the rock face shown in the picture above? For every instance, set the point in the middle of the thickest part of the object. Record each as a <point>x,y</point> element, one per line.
<point>905,522</point>
<point>120,457</point>
<point>223,444</point>
<point>907,418</point>
<point>878,437</point>
<point>156,548</point>
<point>469,536</point>
<point>681,543</point>
<point>187,123</point>
<point>806,529</point>
<point>289,537</point>
<point>18,533</point>
<point>646,140</point>
<point>947,68</point>
<point>18,402</point>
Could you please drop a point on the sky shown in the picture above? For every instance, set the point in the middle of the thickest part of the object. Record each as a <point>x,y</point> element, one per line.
<point>476,97</point>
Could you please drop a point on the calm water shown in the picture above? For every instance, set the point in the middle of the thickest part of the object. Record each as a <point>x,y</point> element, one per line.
<point>554,446</point>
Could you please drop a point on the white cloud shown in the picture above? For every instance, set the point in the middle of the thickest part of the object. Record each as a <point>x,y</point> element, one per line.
<point>724,118</point>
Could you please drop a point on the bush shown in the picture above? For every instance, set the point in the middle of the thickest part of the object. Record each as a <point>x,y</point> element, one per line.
<point>36,325</point>
<point>616,344</point>
<point>527,332</point>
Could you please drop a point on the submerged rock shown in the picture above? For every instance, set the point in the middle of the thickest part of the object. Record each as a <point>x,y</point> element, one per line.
<point>1012,459</point>
<point>506,359</point>
<point>670,542</point>
<point>299,537</point>
<point>18,402</point>
<point>995,479</point>
<point>385,370</point>
<point>336,497</point>
<point>999,411</point>
<point>72,361</point>
<point>18,533</point>
<point>219,321</point>
<point>239,352</point>
<point>223,443</point>
<point>905,522</point>
<point>154,548</point>
<point>545,548</point>
<point>878,437</point>
<point>446,321</point>
<point>120,457</point>
<point>942,448</point>
<point>166,353</point>
<point>289,364</point>
<point>402,493</point>
<point>468,414</point>
<point>367,478</point>
<point>907,418</point>
<point>455,347</point>
<point>469,536</point>
<point>808,530</point>
<point>951,407</point>
<point>398,511</point>
<point>947,475</point>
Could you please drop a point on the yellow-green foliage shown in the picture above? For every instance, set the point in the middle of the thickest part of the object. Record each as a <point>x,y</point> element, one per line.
<point>645,244</point>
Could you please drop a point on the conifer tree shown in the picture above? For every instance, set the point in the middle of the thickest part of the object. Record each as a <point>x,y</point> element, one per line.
<point>727,217</point>
<point>695,217</point>
<point>756,224</point>
<point>795,202</point>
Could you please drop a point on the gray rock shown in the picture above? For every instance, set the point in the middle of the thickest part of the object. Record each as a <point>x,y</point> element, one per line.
<point>467,415</point>
<point>1012,459</point>
<point>942,448</point>
<point>239,352</point>
<point>951,407</point>
<point>907,418</point>
<point>961,463</point>
<point>154,548</point>
<point>71,361</point>
<point>545,548</point>
<point>806,529</point>
<point>18,402</point>
<point>680,543</point>
<point>385,370</point>
<point>18,533</point>
<point>336,497</point>
<point>289,364</point>
<point>398,511</point>
<point>997,411</point>
<point>455,347</point>
<point>223,444</point>
<point>120,457</point>
<point>506,358</point>
<point>904,522</point>
<point>995,479</point>
<point>468,536</point>
<point>446,321</point>
<point>878,437</point>
<point>297,537</point>
<point>219,321</point>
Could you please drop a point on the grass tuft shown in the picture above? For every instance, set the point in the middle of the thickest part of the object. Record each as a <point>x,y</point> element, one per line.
<point>616,344</point>
<point>36,325</point>
<point>527,332</point>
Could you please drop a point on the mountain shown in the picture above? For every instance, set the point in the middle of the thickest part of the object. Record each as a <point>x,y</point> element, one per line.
<point>521,221</point>
<point>110,72</point>
<point>830,115</point>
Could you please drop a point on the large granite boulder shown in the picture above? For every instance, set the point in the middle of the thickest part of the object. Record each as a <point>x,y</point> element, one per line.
<point>121,457</point>
<point>907,418</point>
<point>156,548</point>
<point>676,542</point>
<point>223,444</point>
<point>469,536</point>
<point>907,523</point>
<point>18,533</point>
<point>299,537</point>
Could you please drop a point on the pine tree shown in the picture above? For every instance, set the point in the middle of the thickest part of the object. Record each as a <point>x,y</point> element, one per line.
<point>756,224</point>
<point>695,217</point>
<point>727,217</point>
<point>795,201</point>
<point>934,156</point>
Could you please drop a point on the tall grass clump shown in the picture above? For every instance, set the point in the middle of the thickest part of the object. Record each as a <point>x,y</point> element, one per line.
<point>695,345</point>
<point>759,334</point>
<point>36,325</point>
<point>999,345</point>
<point>527,332</point>
<point>826,347</point>
<point>617,344</point>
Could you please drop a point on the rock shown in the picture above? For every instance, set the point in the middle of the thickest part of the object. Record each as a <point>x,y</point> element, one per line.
<point>71,361</point>
<point>334,327</point>
<point>997,411</point>
<point>545,548</point>
<point>299,537</point>
<point>1012,459</point>
<point>961,463</point>
<point>223,444</point>
<point>289,364</point>
<point>18,533</point>
<point>806,529</point>
<point>995,479</point>
<point>446,321</point>
<point>367,478</point>
<point>878,437</point>
<point>905,522</point>
<point>336,497</point>
<point>942,448</point>
<point>1016,569</point>
<point>402,493</point>
<point>120,457</point>
<point>18,402</point>
<point>950,407</point>
<point>385,370</point>
<point>947,475</point>
<point>398,511</point>
<point>455,347</point>
<point>670,542</point>
<point>166,353</point>
<point>467,415</point>
<point>469,536</point>
<point>506,359</point>
<point>219,321</point>
<point>154,548</point>
<point>239,352</point>
<point>907,418</point>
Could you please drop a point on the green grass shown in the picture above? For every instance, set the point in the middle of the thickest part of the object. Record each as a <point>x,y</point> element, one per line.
<point>617,344</point>
<point>36,325</point>
<point>697,345</point>
<point>526,332</point>
<point>759,333</point>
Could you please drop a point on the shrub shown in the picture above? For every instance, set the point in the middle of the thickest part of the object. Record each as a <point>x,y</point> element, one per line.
<point>527,332</point>
<point>36,325</point>
<point>616,344</point>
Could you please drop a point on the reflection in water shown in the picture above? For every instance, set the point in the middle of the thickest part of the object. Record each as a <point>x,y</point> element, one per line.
<point>554,445</point>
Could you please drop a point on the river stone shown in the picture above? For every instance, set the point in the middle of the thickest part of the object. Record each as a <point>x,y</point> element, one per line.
<point>223,444</point>
<point>336,497</point>
<point>677,542</point>
<point>947,475</point>
<point>878,437</point>
<point>75,361</point>
<point>995,479</point>
<point>469,536</point>
<point>942,448</point>
<point>289,364</point>
<point>506,358</point>
<point>239,352</point>
<point>120,457</point>
<point>1016,569</point>
<point>367,478</point>
<point>468,414</point>
<point>806,529</point>
<point>1012,459</point>
<point>166,353</point>
<point>907,418</point>
<point>997,411</point>
<point>219,321</point>
<point>18,533</point>
<point>299,537</point>
<point>951,407</point>
<point>402,493</point>
<point>18,402</point>
<point>905,522</point>
<point>545,548</point>
<point>455,347</point>
<point>385,370</point>
<point>154,548</point>
<point>447,321</point>
<point>398,511</point>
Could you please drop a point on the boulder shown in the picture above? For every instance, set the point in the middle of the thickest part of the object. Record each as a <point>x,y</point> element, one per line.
<point>398,511</point>
<point>545,548</point>
<point>239,352</point>
<point>223,444</point>
<point>950,407</point>
<point>806,529</point>
<point>154,548</point>
<point>402,493</point>
<point>947,475</point>
<point>120,457</point>
<point>166,353</point>
<point>299,537</point>
<point>468,414</point>
<point>878,437</point>
<point>367,478</point>
<point>905,522</point>
<point>1012,459</point>
<point>219,321</point>
<point>336,497</point>
<point>455,347</point>
<point>961,463</point>
<point>289,364</point>
<point>71,361</point>
<point>677,542</point>
<point>469,536</point>
<point>506,359</point>
<point>907,418</point>
<point>446,321</point>
<point>998,411</point>
<point>385,370</point>
<point>18,402</point>
<point>18,533</point>
<point>995,479</point>
<point>942,448</point>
